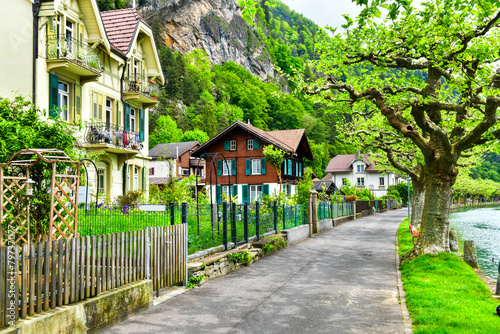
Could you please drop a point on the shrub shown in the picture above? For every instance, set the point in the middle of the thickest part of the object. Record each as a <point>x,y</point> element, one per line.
<point>350,198</point>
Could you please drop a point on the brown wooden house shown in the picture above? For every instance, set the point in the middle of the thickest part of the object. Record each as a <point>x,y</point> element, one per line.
<point>246,174</point>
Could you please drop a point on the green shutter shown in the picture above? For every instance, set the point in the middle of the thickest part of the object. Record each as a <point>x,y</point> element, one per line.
<point>54,96</point>
<point>289,189</point>
<point>244,193</point>
<point>289,164</point>
<point>118,113</point>
<point>127,117</point>
<point>248,166</point>
<point>233,167</point>
<point>255,144</point>
<point>78,102</point>
<point>235,190</point>
<point>294,168</point>
<point>263,166</point>
<point>141,124</point>
<point>226,145</point>
<point>144,178</point>
<point>95,103</point>
<point>300,169</point>
<point>265,189</point>
<point>218,194</point>
<point>219,167</point>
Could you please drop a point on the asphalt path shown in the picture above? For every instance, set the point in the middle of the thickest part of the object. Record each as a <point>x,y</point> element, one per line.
<point>341,281</point>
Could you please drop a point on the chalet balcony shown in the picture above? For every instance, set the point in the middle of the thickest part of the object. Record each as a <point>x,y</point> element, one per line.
<point>74,56</point>
<point>112,135</point>
<point>141,89</point>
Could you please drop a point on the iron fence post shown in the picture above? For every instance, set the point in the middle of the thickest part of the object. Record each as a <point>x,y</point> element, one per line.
<point>245,222</point>
<point>233,223</point>
<point>172,213</point>
<point>284,217</point>
<point>184,213</point>
<point>275,216</point>
<point>224,224</point>
<point>257,222</point>
<point>185,281</point>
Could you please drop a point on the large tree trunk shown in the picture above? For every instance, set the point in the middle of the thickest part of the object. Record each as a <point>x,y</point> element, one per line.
<point>433,238</point>
<point>417,204</point>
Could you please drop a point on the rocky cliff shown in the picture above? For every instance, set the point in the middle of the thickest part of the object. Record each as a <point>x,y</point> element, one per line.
<point>213,25</point>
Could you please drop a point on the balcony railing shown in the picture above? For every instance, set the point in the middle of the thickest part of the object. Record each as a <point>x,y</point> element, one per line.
<point>140,84</point>
<point>70,48</point>
<point>104,133</point>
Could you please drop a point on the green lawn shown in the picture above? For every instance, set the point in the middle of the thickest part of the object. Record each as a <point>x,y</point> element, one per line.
<point>444,295</point>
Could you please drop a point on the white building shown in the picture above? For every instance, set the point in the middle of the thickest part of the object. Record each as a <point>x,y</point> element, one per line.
<point>360,172</point>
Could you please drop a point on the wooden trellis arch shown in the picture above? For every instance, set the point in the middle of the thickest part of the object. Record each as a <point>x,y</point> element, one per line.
<point>64,188</point>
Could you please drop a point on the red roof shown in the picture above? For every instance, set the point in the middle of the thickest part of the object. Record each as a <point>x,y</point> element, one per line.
<point>120,27</point>
<point>342,163</point>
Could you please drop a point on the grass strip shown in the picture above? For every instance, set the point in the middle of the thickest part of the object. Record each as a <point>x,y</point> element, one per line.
<point>444,294</point>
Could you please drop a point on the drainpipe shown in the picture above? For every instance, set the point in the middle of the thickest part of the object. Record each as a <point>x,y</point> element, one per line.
<point>36,9</point>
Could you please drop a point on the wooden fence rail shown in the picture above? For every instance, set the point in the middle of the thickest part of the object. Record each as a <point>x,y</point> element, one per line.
<point>48,275</point>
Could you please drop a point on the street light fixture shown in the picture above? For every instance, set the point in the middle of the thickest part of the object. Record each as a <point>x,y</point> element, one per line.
<point>29,187</point>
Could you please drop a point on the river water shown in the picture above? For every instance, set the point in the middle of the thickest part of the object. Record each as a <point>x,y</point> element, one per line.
<point>483,226</point>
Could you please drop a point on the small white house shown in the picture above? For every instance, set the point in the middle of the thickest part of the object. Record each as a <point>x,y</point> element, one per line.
<point>360,172</point>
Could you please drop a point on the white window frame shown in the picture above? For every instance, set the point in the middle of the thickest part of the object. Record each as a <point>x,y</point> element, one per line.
<point>249,144</point>
<point>361,181</point>
<point>63,108</point>
<point>132,119</point>
<point>362,168</point>
<point>256,167</point>
<point>101,176</point>
<point>69,35</point>
<point>226,168</point>
<point>184,172</point>
<point>136,178</point>
<point>109,108</point>
<point>225,191</point>
<point>381,181</point>
<point>255,192</point>
<point>232,145</point>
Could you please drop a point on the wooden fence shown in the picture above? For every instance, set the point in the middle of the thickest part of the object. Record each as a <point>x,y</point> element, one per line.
<point>48,275</point>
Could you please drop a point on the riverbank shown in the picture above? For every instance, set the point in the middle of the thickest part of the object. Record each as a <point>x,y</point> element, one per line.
<point>444,295</point>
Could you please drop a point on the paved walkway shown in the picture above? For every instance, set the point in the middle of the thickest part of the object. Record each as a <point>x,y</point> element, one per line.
<point>341,281</point>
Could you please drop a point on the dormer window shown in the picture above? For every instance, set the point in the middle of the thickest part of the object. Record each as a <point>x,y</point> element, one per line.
<point>361,168</point>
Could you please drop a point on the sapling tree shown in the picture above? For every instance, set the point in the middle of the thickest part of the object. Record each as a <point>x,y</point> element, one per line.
<point>430,75</point>
<point>275,157</point>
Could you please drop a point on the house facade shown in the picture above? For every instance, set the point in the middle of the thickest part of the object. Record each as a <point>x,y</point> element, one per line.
<point>359,171</point>
<point>236,166</point>
<point>174,160</point>
<point>97,69</point>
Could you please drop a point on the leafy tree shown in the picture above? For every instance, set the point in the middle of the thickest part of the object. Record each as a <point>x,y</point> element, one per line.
<point>166,132</point>
<point>195,135</point>
<point>445,115</point>
<point>275,157</point>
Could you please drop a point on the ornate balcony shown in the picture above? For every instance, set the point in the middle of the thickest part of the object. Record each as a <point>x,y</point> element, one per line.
<point>77,57</point>
<point>139,88</point>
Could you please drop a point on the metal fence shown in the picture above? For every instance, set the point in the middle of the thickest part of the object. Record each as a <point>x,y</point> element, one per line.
<point>329,210</point>
<point>209,225</point>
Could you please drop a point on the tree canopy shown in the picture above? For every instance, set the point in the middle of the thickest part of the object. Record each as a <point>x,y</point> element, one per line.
<point>428,82</point>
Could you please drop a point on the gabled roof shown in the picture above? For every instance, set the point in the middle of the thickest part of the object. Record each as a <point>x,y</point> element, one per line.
<point>287,140</point>
<point>170,150</point>
<point>121,25</point>
<point>344,162</point>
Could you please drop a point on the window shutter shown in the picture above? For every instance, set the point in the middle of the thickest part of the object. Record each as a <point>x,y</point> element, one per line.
<point>118,112</point>
<point>248,166</point>
<point>218,194</point>
<point>289,189</point>
<point>125,178</point>
<point>263,166</point>
<point>78,102</point>
<point>219,167</point>
<point>233,167</point>
<point>289,164</point>
<point>294,168</point>
<point>235,190</point>
<point>226,145</point>
<point>54,96</point>
<point>101,107</point>
<point>300,169</point>
<point>95,98</point>
<point>144,178</point>
<point>265,189</point>
<point>255,144</point>
<point>127,117</point>
<point>141,124</point>
<point>244,193</point>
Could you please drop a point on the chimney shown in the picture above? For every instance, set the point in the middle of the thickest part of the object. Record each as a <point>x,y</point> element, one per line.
<point>133,3</point>
<point>249,122</point>
<point>358,153</point>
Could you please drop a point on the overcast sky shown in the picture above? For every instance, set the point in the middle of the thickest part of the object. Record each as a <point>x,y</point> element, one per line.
<point>325,12</point>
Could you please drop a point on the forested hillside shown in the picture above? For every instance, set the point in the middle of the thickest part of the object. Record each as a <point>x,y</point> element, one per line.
<point>201,98</point>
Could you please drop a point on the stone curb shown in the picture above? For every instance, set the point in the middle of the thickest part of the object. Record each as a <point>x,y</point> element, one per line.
<point>408,329</point>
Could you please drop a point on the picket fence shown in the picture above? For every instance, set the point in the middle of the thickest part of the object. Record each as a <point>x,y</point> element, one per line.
<point>38,277</point>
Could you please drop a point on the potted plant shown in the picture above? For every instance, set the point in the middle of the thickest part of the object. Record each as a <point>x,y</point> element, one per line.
<point>154,95</point>
<point>152,80</point>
